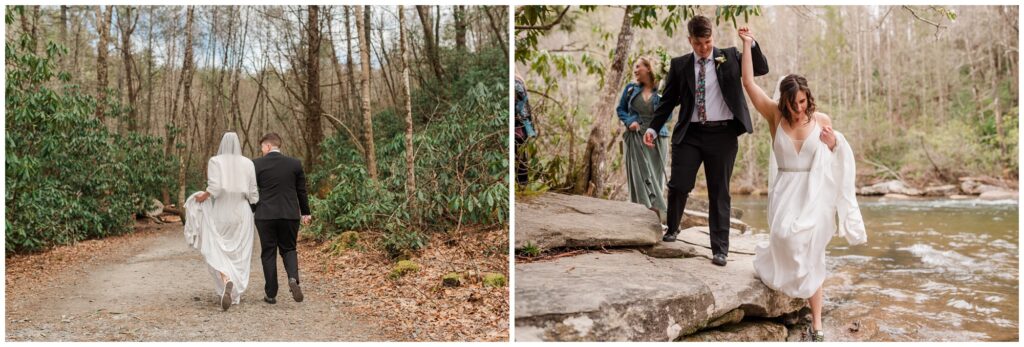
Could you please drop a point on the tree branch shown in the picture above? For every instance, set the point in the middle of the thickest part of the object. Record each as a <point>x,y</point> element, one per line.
<point>912,12</point>
<point>546,26</point>
<point>546,96</point>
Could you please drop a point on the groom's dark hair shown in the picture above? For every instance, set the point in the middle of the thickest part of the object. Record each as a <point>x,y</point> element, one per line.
<point>699,26</point>
<point>272,138</point>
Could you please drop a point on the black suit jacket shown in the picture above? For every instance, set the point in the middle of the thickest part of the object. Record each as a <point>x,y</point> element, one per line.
<point>680,89</point>
<point>282,188</point>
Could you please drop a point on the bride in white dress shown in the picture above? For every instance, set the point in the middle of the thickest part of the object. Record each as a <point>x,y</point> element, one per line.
<point>811,182</point>
<point>222,228</point>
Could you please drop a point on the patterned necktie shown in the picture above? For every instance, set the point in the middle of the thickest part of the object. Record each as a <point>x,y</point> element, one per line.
<point>701,111</point>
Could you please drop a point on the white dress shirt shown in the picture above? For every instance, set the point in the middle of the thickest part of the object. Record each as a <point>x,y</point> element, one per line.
<point>714,103</point>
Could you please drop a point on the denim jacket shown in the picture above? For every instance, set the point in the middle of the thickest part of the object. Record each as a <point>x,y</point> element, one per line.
<point>625,110</point>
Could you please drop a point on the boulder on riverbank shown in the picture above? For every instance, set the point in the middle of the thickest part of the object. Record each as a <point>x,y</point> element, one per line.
<point>943,190</point>
<point>559,221</point>
<point>890,187</point>
<point>641,291</point>
<point>998,195</point>
<point>628,296</point>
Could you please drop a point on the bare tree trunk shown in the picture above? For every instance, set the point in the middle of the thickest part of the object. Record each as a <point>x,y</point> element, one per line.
<point>418,72</point>
<point>460,27</point>
<point>346,95</point>
<point>149,72</point>
<point>364,57</point>
<point>126,24</point>
<point>428,37</point>
<point>103,20</point>
<point>410,171</point>
<point>382,58</point>
<point>498,33</point>
<point>188,110</point>
<point>367,24</point>
<point>35,28</point>
<point>236,105</point>
<point>29,26</point>
<point>208,137</point>
<point>350,65</point>
<point>64,24</point>
<point>437,27</point>
<point>313,107</point>
<point>592,178</point>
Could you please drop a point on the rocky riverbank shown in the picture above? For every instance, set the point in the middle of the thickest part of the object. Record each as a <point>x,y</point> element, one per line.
<point>980,188</point>
<point>604,275</point>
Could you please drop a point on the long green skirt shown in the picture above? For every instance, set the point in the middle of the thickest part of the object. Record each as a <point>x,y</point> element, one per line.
<point>645,170</point>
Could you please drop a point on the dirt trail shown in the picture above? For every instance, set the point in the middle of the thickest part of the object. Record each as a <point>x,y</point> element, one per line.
<point>150,286</point>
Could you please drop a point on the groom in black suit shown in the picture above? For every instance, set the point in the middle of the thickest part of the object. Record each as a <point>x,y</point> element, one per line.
<point>714,113</point>
<point>283,199</point>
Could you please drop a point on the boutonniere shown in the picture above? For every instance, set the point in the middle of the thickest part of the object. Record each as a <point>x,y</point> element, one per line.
<point>719,60</point>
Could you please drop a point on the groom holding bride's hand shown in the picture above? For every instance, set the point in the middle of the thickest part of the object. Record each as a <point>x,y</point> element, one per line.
<point>706,83</point>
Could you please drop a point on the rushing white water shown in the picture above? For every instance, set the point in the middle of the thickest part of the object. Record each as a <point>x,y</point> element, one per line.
<point>932,270</point>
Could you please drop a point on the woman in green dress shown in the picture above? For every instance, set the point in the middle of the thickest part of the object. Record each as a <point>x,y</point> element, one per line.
<point>645,167</point>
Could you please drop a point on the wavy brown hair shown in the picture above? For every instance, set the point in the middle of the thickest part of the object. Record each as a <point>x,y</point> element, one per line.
<point>788,89</point>
<point>649,64</point>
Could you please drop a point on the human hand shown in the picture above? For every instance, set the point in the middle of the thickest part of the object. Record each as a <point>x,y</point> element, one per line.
<point>202,196</point>
<point>828,137</point>
<point>746,34</point>
<point>307,219</point>
<point>649,138</point>
<point>634,126</point>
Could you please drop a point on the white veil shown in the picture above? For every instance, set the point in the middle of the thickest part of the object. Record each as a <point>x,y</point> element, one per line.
<point>773,166</point>
<point>229,171</point>
<point>778,89</point>
<point>229,144</point>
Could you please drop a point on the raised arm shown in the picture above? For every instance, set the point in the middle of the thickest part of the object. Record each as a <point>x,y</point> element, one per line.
<point>764,104</point>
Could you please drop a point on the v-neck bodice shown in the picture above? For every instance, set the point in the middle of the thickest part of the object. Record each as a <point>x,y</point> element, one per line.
<point>788,156</point>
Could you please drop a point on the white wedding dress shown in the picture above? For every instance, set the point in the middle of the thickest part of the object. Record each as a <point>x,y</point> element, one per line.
<point>222,227</point>
<point>807,190</point>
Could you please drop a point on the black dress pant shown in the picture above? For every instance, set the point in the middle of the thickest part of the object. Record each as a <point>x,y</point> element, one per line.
<point>278,235</point>
<point>715,147</point>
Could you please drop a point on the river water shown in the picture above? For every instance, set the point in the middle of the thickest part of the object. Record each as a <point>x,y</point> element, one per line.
<point>932,270</point>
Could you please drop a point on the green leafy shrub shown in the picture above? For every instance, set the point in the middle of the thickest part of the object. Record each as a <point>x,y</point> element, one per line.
<point>461,141</point>
<point>68,178</point>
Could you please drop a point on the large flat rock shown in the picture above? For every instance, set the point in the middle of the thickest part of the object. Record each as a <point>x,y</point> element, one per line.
<point>556,221</point>
<point>700,203</point>
<point>743,332</point>
<point>739,243</point>
<point>628,296</point>
<point>693,218</point>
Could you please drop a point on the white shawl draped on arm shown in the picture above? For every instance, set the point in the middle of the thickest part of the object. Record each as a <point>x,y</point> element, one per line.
<point>835,181</point>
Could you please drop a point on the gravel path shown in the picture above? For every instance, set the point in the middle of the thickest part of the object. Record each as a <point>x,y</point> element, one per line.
<point>150,286</point>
